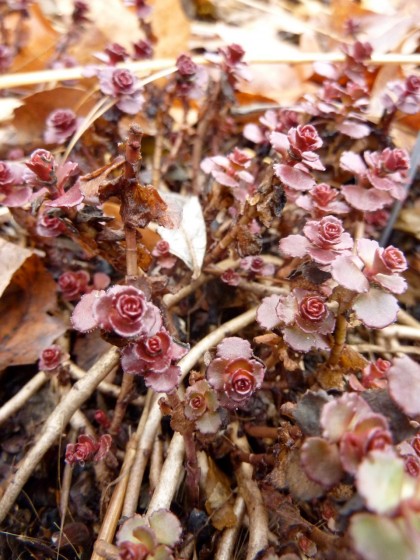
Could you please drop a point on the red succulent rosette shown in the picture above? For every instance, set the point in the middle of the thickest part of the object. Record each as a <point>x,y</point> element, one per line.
<point>51,358</point>
<point>123,310</point>
<point>154,358</point>
<point>60,125</point>
<point>235,373</point>
<point>73,284</point>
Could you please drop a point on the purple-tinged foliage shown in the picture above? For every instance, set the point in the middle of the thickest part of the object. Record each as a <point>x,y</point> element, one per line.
<point>231,170</point>
<point>403,96</point>
<point>257,265</point>
<point>61,124</point>
<point>88,448</point>
<point>51,358</point>
<point>121,84</point>
<point>13,191</point>
<point>302,316</point>
<point>272,121</point>
<point>48,224</point>
<point>321,200</point>
<point>374,376</point>
<point>404,384</point>
<point>201,406</point>
<point>230,277</point>
<point>380,178</point>
<point>123,310</point>
<point>154,357</point>
<point>323,241</point>
<point>235,373</point>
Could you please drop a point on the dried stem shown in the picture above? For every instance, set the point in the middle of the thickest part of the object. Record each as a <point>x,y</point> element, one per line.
<point>227,240</point>
<point>144,447</point>
<point>105,387</point>
<point>250,492</point>
<point>55,424</point>
<point>122,403</point>
<point>169,476</point>
<point>156,462</point>
<point>401,331</point>
<point>113,511</point>
<point>21,398</point>
<point>225,550</point>
<point>105,550</point>
<point>164,492</point>
<point>167,66</point>
<point>339,340</point>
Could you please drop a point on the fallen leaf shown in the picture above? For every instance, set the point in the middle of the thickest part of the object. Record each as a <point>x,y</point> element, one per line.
<point>29,119</point>
<point>27,327</point>
<point>219,502</point>
<point>12,258</point>
<point>189,241</point>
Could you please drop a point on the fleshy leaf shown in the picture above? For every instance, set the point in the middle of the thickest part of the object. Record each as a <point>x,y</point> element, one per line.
<point>128,527</point>
<point>404,384</point>
<point>166,526</point>
<point>82,318</point>
<point>366,200</point>
<point>303,342</point>
<point>345,271</point>
<point>234,347</point>
<point>293,177</point>
<point>376,309</point>
<point>321,461</point>
<point>380,538</point>
<point>266,313</point>
<point>383,482</point>
<point>353,129</point>
<point>294,245</point>
<point>352,162</point>
<point>71,198</point>
<point>337,415</point>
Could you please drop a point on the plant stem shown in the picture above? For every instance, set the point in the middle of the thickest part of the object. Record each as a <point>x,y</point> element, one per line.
<point>192,470</point>
<point>164,492</point>
<point>122,403</point>
<point>131,254</point>
<point>339,340</point>
<point>113,511</point>
<point>250,492</point>
<point>166,66</point>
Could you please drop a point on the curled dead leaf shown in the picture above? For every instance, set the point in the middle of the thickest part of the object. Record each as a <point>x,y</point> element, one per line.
<point>26,305</point>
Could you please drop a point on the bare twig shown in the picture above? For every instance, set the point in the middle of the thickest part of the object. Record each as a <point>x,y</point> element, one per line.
<point>225,550</point>
<point>156,462</point>
<point>113,511</point>
<point>173,465</point>
<point>147,436</point>
<point>53,427</point>
<point>257,513</point>
<point>167,65</point>
<point>20,399</point>
<point>105,387</point>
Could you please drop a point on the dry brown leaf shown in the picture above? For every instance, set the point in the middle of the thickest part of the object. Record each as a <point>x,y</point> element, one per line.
<point>42,39</point>
<point>29,119</point>
<point>12,258</point>
<point>27,327</point>
<point>352,359</point>
<point>219,502</point>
